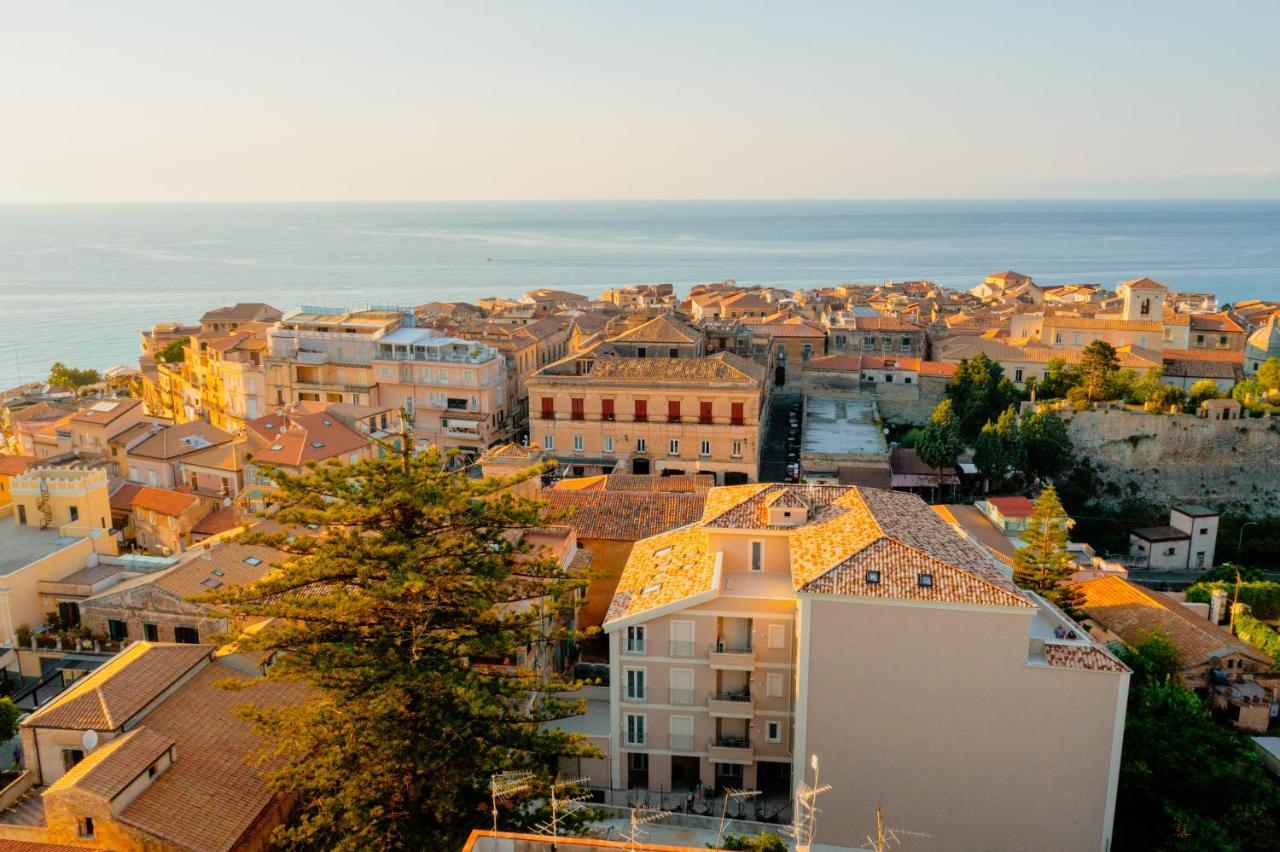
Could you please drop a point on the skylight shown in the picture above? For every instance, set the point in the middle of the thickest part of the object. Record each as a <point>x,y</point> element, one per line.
<point>873,577</point>
<point>648,590</point>
<point>277,447</point>
<point>317,444</point>
<point>211,583</point>
<point>251,560</point>
<point>215,572</point>
<point>663,551</point>
<point>924,581</point>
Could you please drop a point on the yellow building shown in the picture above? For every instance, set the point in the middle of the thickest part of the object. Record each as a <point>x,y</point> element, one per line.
<point>11,466</point>
<point>49,498</point>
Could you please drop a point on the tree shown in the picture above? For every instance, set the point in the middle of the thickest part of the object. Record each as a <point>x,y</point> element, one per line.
<point>1247,391</point>
<point>69,378</point>
<point>1154,661</point>
<point>1059,378</point>
<point>1098,362</point>
<point>765,841</point>
<point>998,453</point>
<point>1044,565</point>
<point>405,616</point>
<point>174,353</point>
<point>940,442</point>
<point>1162,397</point>
<point>978,392</point>
<point>1202,390</point>
<point>1047,450</point>
<point>1268,374</point>
<point>9,714</point>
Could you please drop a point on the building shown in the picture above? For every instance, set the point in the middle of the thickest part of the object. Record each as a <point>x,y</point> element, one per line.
<point>454,390</point>
<point>11,466</point>
<point>875,335</point>
<point>656,415</point>
<point>303,434</point>
<point>319,354</point>
<point>232,318</point>
<point>1263,344</point>
<point>662,336</point>
<point>1009,514</point>
<point>163,520</point>
<point>1216,331</point>
<point>1187,543</point>
<point>997,285</point>
<point>157,459</point>
<point>147,753</point>
<point>92,428</point>
<point>857,625</point>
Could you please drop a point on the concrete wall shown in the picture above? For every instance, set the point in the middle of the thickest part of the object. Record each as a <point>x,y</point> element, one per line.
<point>935,714</point>
<point>19,591</point>
<point>898,402</point>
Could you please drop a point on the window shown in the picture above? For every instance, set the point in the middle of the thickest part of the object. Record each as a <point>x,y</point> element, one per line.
<point>924,581</point>
<point>1146,307</point>
<point>1222,340</point>
<point>737,449</point>
<point>84,827</point>
<point>673,411</point>
<point>1204,531</point>
<point>635,639</point>
<point>150,632</point>
<point>635,729</point>
<point>868,343</point>
<point>577,408</point>
<point>74,513</point>
<point>641,446</point>
<point>773,732</point>
<point>777,636</point>
<point>548,408</point>
<point>186,635</point>
<point>673,447</point>
<point>873,577</point>
<point>757,555</point>
<point>606,409</point>
<point>1057,337</point>
<point>773,685</point>
<point>1170,551</point>
<point>548,442</point>
<point>635,684</point>
<point>888,377</point>
<point>737,416</point>
<point>69,612</point>
<point>840,341</point>
<point>71,756</point>
<point>705,449</point>
<point>577,443</point>
<point>641,351</point>
<point>673,352</point>
<point>642,410</point>
<point>705,412</point>
<point>1017,375</point>
<point>117,629</point>
<point>906,344</point>
<point>608,445</point>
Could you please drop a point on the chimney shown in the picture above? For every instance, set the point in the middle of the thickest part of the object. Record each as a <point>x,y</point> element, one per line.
<point>1218,606</point>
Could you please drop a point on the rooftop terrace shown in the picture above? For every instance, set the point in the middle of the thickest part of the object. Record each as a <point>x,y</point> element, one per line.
<point>22,545</point>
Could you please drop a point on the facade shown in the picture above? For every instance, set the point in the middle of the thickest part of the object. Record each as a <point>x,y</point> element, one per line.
<point>878,335</point>
<point>157,459</point>
<point>318,354</point>
<point>163,520</point>
<point>63,499</point>
<point>92,428</point>
<point>454,389</point>
<point>1187,543</point>
<point>658,415</point>
<point>848,624</point>
<point>1264,343</point>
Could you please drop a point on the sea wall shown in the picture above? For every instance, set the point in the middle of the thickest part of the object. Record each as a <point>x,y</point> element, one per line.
<point>1169,458</point>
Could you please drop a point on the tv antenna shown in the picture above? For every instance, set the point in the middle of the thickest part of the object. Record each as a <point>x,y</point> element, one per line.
<point>640,817</point>
<point>731,794</point>
<point>563,805</point>
<point>886,837</point>
<point>504,785</point>
<point>805,818</point>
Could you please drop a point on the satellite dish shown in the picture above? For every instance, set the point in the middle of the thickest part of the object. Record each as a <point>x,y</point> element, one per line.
<point>89,740</point>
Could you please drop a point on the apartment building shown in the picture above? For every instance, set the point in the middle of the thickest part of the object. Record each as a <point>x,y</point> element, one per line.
<point>455,390</point>
<point>157,459</point>
<point>319,354</point>
<point>93,427</point>
<point>858,626</point>
<point>658,415</point>
<point>163,520</point>
<point>849,333</point>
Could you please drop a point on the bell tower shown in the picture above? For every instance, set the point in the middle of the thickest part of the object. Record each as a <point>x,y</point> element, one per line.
<point>1143,299</point>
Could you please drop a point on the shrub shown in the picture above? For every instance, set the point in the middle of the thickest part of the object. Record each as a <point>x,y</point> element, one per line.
<point>1257,633</point>
<point>1262,597</point>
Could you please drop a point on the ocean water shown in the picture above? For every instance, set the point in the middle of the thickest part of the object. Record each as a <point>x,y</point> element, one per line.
<point>78,282</point>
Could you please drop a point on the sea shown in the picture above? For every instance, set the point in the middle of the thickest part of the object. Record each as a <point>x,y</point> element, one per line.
<point>78,282</point>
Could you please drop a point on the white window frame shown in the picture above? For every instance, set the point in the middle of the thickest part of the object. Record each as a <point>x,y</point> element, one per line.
<point>641,445</point>
<point>549,441</point>
<point>578,443</point>
<point>780,632</point>
<point>773,725</point>
<point>608,444</point>
<point>673,447</point>
<point>737,449</point>
<point>774,685</point>
<point>636,639</point>
<point>629,727</point>
<point>756,543</point>
<point>631,677</point>
<point>705,449</point>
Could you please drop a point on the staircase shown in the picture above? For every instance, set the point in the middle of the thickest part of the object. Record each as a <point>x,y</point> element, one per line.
<point>43,505</point>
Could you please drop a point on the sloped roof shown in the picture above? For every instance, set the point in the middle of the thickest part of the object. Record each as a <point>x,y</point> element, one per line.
<point>105,411</point>
<point>163,500</point>
<point>624,515</point>
<point>226,563</point>
<point>661,329</point>
<point>116,764</point>
<point>176,441</point>
<point>1133,613</point>
<point>115,692</point>
<point>296,439</point>
<point>721,368</point>
<point>14,465</point>
<point>1214,322</point>
<point>1144,283</point>
<point>122,498</point>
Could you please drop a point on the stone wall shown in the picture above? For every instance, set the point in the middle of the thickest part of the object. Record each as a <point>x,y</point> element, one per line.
<point>1169,458</point>
<point>897,402</point>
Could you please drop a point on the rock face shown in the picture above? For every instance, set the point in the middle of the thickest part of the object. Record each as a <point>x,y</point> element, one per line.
<point>1171,458</point>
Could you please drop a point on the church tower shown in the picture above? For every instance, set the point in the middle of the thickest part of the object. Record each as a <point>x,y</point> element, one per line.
<point>1143,299</point>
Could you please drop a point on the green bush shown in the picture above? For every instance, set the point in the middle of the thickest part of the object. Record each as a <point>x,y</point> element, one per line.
<point>1262,597</point>
<point>765,841</point>
<point>1257,633</point>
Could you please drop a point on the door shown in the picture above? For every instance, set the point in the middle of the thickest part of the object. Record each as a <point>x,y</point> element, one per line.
<point>681,733</point>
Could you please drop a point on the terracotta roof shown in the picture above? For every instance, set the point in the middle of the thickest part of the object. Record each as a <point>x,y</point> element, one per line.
<point>1013,507</point>
<point>176,441</point>
<point>685,483</point>
<point>1144,284</point>
<point>296,439</point>
<point>229,457</point>
<point>624,515</point>
<point>841,363</point>
<point>244,312</point>
<point>14,465</point>
<point>226,563</point>
<point>1006,275</point>
<point>905,461</point>
<point>212,794</point>
<point>721,368</point>
<point>661,329</point>
<point>217,521</point>
<point>937,368</point>
<point>105,411</point>
<point>7,845</point>
<point>664,569</point>
<point>122,498</point>
<point>1101,323</point>
<point>785,329</point>
<point>1214,322</point>
<point>116,764</point>
<point>116,691</point>
<point>1228,355</point>
<point>1090,658</point>
<point>1133,613</point>
<point>1208,368</point>
<point>867,477</point>
<point>162,500</point>
<point>882,323</point>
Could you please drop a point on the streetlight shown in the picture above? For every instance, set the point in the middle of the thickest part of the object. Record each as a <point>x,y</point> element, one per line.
<point>1240,538</point>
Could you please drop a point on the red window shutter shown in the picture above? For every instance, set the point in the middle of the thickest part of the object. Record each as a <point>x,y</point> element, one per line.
<point>704,412</point>
<point>575,407</point>
<point>736,414</point>
<point>549,407</point>
<point>642,410</point>
<point>673,410</point>
<point>606,409</point>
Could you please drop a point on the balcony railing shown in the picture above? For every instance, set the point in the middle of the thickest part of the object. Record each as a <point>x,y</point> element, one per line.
<point>681,697</point>
<point>732,657</point>
<point>679,648</point>
<point>741,744</point>
<point>742,695</point>
<point>734,703</point>
<point>682,742</point>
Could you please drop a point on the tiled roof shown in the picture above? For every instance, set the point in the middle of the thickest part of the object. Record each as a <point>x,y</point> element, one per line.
<point>217,521</point>
<point>1233,356</point>
<point>721,368</point>
<point>905,461</point>
<point>1165,533</point>
<point>13,465</point>
<point>7,845</point>
<point>883,323</point>
<point>937,368</point>
<point>688,483</point>
<point>223,564</point>
<point>175,441</point>
<point>296,439</point>
<point>664,569</point>
<point>1013,507</point>
<point>122,498</point>
<point>115,692</point>
<point>105,410</point>
<point>1207,368</point>
<point>1133,613</point>
<point>116,764</point>
<point>624,515</point>
<point>1006,275</point>
<point>1145,284</point>
<point>1214,322</point>
<point>1090,658</point>
<point>212,794</point>
<point>1098,323</point>
<point>784,329</point>
<point>661,329</point>
<point>162,500</point>
<point>229,457</point>
<point>841,363</point>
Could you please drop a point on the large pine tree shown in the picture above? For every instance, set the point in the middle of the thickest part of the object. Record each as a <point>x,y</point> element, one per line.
<point>403,607</point>
<point>1044,564</point>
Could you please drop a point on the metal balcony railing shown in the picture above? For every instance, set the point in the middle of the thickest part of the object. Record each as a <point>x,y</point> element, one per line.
<point>681,697</point>
<point>730,742</point>
<point>679,648</point>
<point>743,695</point>
<point>682,742</point>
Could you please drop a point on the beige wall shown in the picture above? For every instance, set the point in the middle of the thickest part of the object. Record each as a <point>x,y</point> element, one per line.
<point>949,740</point>
<point>19,596</point>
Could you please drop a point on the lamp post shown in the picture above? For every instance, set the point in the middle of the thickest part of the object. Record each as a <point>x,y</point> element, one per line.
<point>1240,538</point>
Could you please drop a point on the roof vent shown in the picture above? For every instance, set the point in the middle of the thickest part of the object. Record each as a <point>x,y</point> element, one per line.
<point>924,581</point>
<point>873,578</point>
<point>648,590</point>
<point>317,444</point>
<point>277,447</point>
<point>215,572</point>
<point>327,422</point>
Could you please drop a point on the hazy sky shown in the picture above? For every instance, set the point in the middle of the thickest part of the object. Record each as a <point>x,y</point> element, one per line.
<point>175,101</point>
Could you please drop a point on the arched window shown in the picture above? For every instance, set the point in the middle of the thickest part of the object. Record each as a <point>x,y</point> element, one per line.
<point>1146,307</point>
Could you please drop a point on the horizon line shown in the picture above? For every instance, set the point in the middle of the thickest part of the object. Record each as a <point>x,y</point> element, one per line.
<point>634,200</point>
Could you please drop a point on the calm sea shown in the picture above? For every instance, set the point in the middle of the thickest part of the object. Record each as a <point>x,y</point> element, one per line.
<point>78,282</point>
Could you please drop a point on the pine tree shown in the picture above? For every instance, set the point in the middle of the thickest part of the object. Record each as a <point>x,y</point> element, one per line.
<point>1044,565</point>
<point>404,613</point>
<point>998,453</point>
<point>1098,362</point>
<point>940,442</point>
<point>1046,447</point>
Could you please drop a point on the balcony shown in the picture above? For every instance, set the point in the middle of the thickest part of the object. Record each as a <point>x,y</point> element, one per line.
<point>737,704</point>
<point>730,749</point>
<point>681,742</point>
<point>680,697</point>
<point>733,658</point>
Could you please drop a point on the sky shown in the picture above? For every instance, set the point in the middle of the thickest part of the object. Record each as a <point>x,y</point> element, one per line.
<point>173,100</point>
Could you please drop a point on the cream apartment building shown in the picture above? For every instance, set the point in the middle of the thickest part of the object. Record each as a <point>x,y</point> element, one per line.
<point>318,354</point>
<point>672,415</point>
<point>858,626</point>
<point>454,389</point>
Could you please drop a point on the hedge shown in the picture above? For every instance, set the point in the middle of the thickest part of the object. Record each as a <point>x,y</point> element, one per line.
<point>1257,633</point>
<point>1263,597</point>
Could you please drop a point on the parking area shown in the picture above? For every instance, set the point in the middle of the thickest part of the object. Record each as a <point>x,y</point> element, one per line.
<point>782,438</point>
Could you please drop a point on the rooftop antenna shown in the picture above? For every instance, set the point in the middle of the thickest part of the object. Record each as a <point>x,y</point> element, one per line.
<point>505,785</point>
<point>731,793</point>
<point>641,817</point>
<point>805,817</point>
<point>886,837</point>
<point>563,804</point>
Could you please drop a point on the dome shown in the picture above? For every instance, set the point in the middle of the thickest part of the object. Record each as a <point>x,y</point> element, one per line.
<point>1264,343</point>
